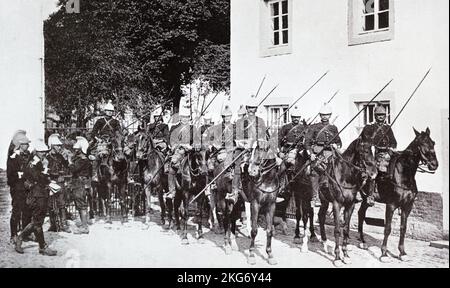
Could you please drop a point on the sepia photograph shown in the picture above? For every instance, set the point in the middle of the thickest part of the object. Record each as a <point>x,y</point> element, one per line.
<point>229,134</point>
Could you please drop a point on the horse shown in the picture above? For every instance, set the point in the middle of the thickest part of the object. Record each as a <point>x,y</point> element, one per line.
<point>398,188</point>
<point>151,163</point>
<point>263,184</point>
<point>346,174</point>
<point>302,191</point>
<point>227,210</point>
<point>191,181</point>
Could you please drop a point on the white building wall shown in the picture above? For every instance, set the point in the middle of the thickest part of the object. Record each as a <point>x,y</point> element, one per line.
<point>320,43</point>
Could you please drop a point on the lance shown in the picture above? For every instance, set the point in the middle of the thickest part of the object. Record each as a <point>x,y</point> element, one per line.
<point>260,86</point>
<point>337,135</point>
<point>218,175</point>
<point>303,95</point>
<point>328,102</point>
<point>267,96</point>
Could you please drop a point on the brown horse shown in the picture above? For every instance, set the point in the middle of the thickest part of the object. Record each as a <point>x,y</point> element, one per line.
<point>263,186</point>
<point>398,189</point>
<point>347,174</point>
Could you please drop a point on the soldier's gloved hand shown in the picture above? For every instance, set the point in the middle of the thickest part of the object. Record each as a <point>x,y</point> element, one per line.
<point>92,157</point>
<point>281,155</point>
<point>334,146</point>
<point>312,157</point>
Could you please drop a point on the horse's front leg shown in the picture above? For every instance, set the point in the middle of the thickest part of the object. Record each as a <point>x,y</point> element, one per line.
<point>226,226</point>
<point>390,208</point>
<point>298,217</point>
<point>254,222</point>
<point>337,234</point>
<point>108,204</point>
<point>313,237</point>
<point>348,211</point>
<point>184,238</point>
<point>161,204</point>
<point>361,218</point>
<point>200,223</point>
<point>269,220</point>
<point>123,202</point>
<point>322,216</point>
<point>403,225</point>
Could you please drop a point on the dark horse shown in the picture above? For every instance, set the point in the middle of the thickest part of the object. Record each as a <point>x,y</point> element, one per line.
<point>347,174</point>
<point>263,186</point>
<point>398,189</point>
<point>302,191</point>
<point>151,167</point>
<point>112,172</point>
<point>191,179</point>
<point>227,210</point>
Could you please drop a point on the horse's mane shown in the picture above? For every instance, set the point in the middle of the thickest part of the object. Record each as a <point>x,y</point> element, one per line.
<point>350,152</point>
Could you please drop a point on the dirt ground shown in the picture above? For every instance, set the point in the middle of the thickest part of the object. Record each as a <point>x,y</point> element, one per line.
<point>139,245</point>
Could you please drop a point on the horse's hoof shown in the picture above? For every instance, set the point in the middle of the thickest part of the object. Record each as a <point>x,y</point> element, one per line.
<point>234,246</point>
<point>385,259</point>
<point>314,239</point>
<point>405,258</point>
<point>338,263</point>
<point>297,240</point>
<point>347,260</point>
<point>184,242</point>
<point>201,240</point>
<point>272,261</point>
<point>304,248</point>
<point>227,250</point>
<point>363,246</point>
<point>251,260</point>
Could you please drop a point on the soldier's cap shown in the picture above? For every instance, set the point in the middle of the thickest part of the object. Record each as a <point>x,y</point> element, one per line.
<point>54,140</point>
<point>41,146</point>
<point>252,102</point>
<point>295,112</point>
<point>380,110</point>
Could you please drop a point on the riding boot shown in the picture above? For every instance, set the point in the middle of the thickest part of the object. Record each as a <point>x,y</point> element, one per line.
<point>172,178</point>
<point>84,229</point>
<point>43,247</point>
<point>52,217</point>
<point>25,233</point>
<point>64,225</point>
<point>315,200</point>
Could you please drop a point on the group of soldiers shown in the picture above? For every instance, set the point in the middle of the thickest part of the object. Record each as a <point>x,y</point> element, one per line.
<point>38,179</point>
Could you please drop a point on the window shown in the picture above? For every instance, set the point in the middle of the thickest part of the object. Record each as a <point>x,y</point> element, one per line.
<point>368,115</point>
<point>275,27</point>
<point>280,25</point>
<point>274,118</point>
<point>370,21</point>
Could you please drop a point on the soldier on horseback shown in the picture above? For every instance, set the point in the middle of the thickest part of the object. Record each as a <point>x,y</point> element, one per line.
<point>58,168</point>
<point>181,141</point>
<point>290,137</point>
<point>320,141</point>
<point>107,126</point>
<point>159,131</point>
<point>381,136</point>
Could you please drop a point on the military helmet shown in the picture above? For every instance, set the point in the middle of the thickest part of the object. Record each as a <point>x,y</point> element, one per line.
<point>295,112</point>
<point>41,146</point>
<point>54,140</point>
<point>82,144</point>
<point>109,107</point>
<point>241,111</point>
<point>226,111</point>
<point>252,102</point>
<point>184,111</point>
<point>17,135</point>
<point>380,110</point>
<point>326,109</point>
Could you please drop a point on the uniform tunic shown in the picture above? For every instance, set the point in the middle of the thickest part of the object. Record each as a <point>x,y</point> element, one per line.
<point>58,168</point>
<point>380,135</point>
<point>159,131</point>
<point>81,169</point>
<point>320,134</point>
<point>106,127</point>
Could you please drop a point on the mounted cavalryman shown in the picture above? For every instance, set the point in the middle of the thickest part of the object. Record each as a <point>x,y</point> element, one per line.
<point>290,137</point>
<point>15,169</point>
<point>37,178</point>
<point>107,126</point>
<point>320,141</point>
<point>58,168</point>
<point>159,132</point>
<point>381,136</point>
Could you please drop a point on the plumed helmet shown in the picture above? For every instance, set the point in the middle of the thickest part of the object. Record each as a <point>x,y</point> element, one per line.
<point>17,135</point>
<point>380,110</point>
<point>226,111</point>
<point>242,110</point>
<point>252,101</point>
<point>109,107</point>
<point>326,109</point>
<point>54,140</point>
<point>41,146</point>
<point>82,144</point>
<point>295,112</point>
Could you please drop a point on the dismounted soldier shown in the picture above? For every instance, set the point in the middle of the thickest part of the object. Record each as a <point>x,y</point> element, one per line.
<point>14,141</point>
<point>107,126</point>
<point>16,165</point>
<point>37,178</point>
<point>58,168</point>
<point>81,169</point>
<point>320,141</point>
<point>181,140</point>
<point>159,132</point>
<point>381,136</point>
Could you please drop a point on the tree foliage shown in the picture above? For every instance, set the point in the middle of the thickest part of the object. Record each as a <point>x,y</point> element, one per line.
<point>134,52</point>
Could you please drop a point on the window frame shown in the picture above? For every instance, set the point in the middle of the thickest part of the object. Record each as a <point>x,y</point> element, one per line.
<point>281,109</point>
<point>356,15</point>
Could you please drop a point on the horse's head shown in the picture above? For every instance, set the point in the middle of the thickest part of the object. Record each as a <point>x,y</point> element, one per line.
<point>365,155</point>
<point>197,162</point>
<point>119,154</point>
<point>425,146</point>
<point>257,157</point>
